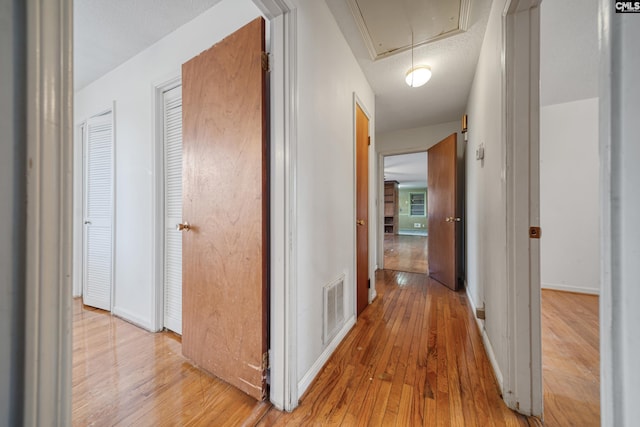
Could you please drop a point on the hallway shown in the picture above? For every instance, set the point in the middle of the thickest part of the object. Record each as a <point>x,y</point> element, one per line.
<point>414,358</point>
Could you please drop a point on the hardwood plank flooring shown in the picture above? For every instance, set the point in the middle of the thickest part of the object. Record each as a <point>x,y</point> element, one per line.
<point>570,359</point>
<point>415,357</point>
<point>405,253</point>
<point>123,375</point>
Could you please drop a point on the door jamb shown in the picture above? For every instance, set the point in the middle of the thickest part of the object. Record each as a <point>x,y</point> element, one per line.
<point>48,100</point>
<point>282,17</point>
<point>611,372</point>
<point>522,388</point>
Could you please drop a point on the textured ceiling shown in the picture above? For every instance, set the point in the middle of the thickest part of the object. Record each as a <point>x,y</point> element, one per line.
<point>568,50</point>
<point>453,61</point>
<point>410,170</point>
<point>107,33</point>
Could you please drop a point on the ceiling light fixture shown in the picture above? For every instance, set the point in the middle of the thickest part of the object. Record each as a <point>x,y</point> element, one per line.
<point>417,76</point>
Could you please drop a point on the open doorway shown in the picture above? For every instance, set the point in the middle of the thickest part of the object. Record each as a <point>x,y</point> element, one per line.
<point>569,213</point>
<point>405,212</point>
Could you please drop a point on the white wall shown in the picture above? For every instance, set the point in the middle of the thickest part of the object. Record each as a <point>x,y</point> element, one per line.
<point>568,50</point>
<point>569,213</point>
<point>569,196</point>
<point>414,139</point>
<point>328,75</point>
<point>485,194</point>
<point>130,88</point>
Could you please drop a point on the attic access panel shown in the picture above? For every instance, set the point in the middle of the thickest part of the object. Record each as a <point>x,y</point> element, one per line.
<point>386,25</point>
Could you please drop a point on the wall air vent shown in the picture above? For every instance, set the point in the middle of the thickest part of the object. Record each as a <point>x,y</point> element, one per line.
<point>333,309</point>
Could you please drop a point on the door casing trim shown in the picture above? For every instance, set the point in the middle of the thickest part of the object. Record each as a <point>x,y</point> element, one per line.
<point>48,98</point>
<point>283,105</point>
<point>157,199</point>
<point>522,387</point>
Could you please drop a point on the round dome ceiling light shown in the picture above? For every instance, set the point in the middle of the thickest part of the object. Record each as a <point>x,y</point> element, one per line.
<point>418,76</point>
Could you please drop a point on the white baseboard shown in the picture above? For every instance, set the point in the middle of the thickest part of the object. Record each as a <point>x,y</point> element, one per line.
<point>570,288</point>
<point>487,343</point>
<point>315,369</point>
<point>132,318</point>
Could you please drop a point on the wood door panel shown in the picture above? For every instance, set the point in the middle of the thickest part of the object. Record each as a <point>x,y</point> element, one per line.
<point>441,204</point>
<point>362,209</point>
<point>224,197</point>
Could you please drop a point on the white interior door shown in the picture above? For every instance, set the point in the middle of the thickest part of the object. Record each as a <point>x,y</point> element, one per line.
<point>172,117</point>
<point>98,212</point>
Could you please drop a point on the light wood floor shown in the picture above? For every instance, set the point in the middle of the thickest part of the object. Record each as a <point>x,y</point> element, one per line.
<point>570,359</point>
<point>415,357</point>
<point>123,375</point>
<point>405,253</point>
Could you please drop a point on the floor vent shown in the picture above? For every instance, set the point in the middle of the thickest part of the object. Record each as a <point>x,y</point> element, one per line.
<point>333,310</point>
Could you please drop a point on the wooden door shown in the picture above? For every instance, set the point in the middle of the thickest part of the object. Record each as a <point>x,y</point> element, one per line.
<point>441,207</point>
<point>224,328</point>
<point>362,209</point>
<point>98,212</point>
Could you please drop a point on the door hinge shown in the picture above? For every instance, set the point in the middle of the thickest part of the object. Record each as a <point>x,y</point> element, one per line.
<point>369,140</point>
<point>265,62</point>
<point>535,232</point>
<point>265,361</point>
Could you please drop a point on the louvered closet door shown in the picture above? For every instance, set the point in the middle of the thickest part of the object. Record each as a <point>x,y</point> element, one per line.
<point>172,113</point>
<point>98,212</point>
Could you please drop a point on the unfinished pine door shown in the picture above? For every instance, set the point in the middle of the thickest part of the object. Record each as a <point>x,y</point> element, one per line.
<point>225,173</point>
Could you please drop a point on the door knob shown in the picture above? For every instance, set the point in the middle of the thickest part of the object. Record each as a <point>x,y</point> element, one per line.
<point>452,219</point>
<point>183,226</point>
<point>360,222</point>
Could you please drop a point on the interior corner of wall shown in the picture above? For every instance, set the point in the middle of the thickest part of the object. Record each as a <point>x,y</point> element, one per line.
<point>133,318</point>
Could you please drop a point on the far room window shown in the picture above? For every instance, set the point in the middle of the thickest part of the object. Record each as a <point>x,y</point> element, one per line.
<point>417,204</point>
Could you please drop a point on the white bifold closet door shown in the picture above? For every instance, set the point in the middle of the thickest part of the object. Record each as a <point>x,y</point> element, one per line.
<point>98,212</point>
<point>172,115</point>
